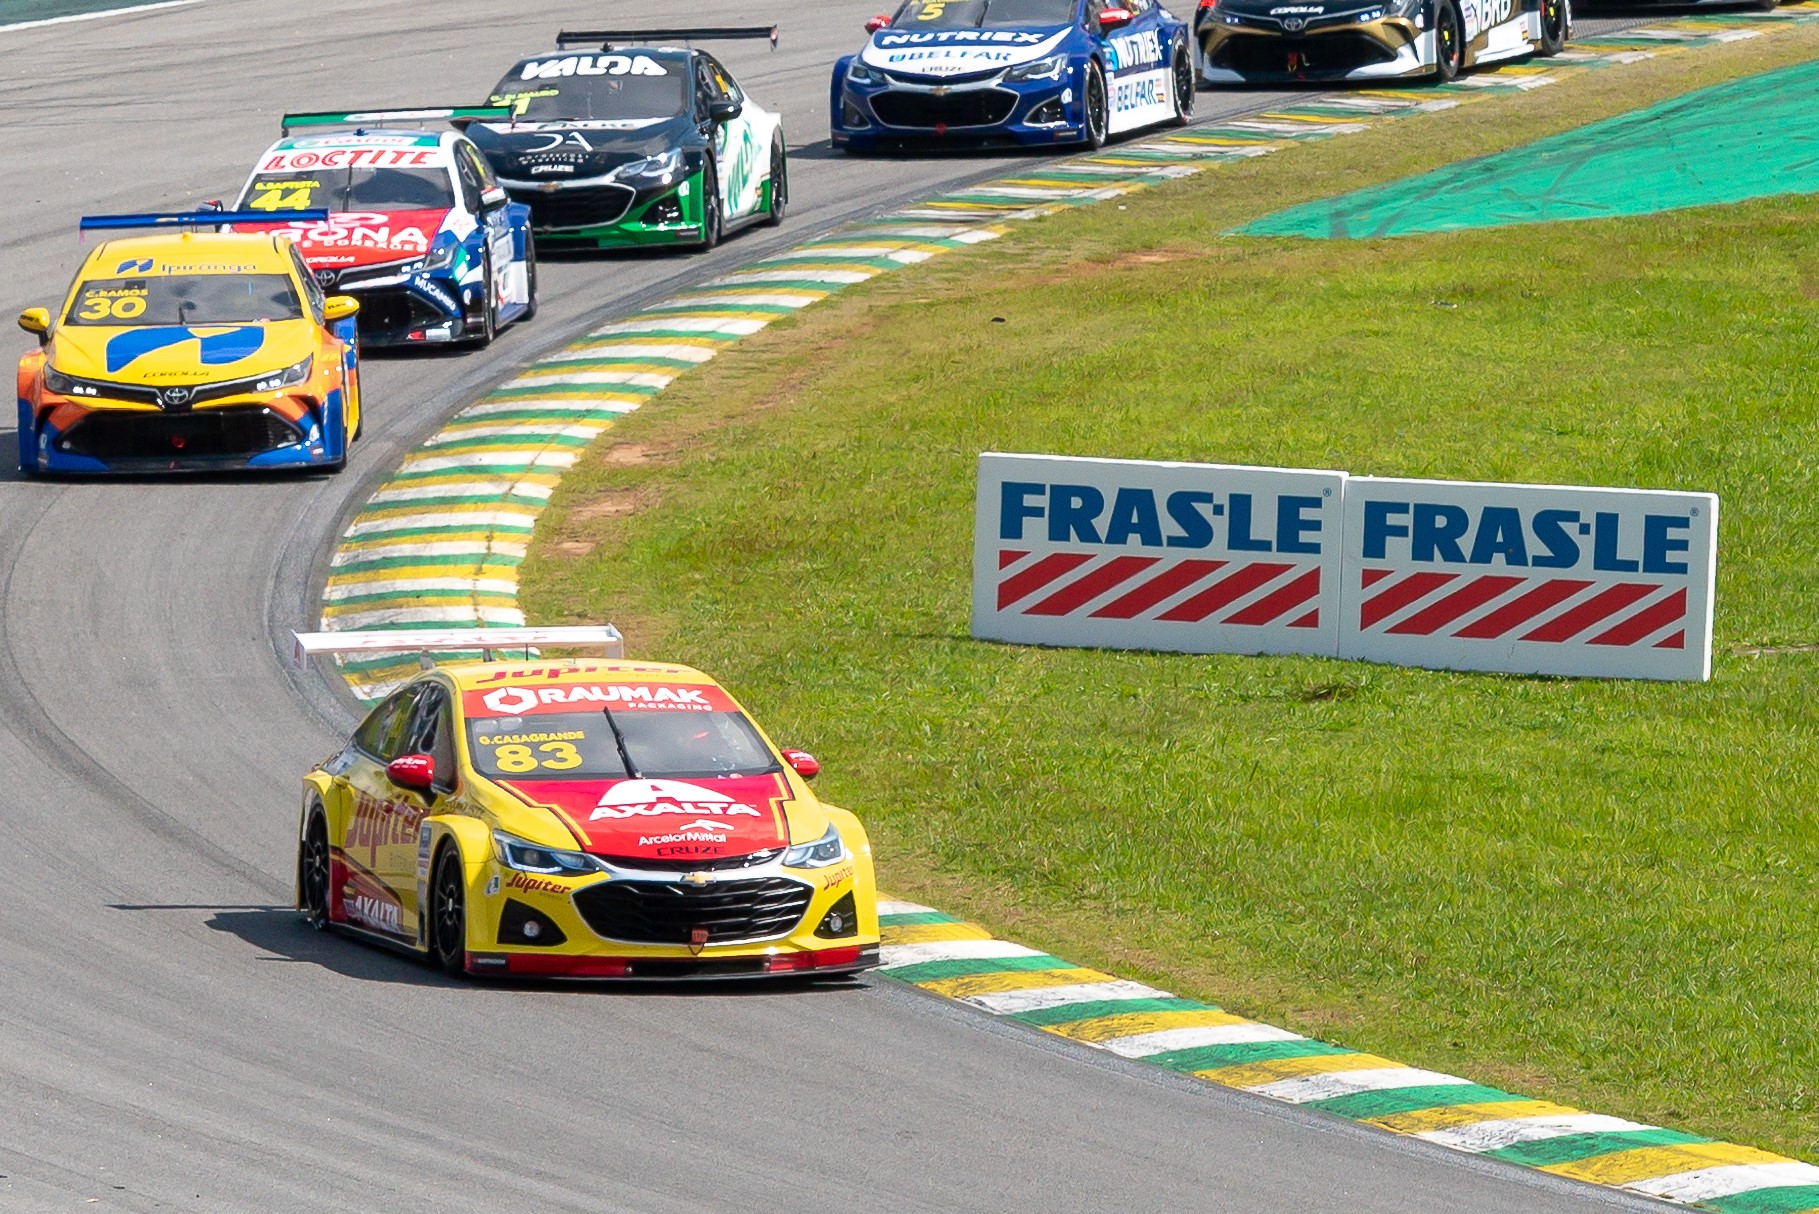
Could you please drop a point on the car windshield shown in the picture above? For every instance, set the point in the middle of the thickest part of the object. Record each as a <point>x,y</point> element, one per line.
<point>581,745</point>
<point>977,14</point>
<point>601,85</point>
<point>351,189</point>
<point>186,299</point>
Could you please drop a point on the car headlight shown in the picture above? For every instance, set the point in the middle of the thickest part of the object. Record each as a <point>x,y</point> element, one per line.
<point>290,377</point>
<point>1051,68</point>
<point>661,166</point>
<point>858,73</point>
<point>528,857</point>
<point>826,850</point>
<point>441,257</point>
<point>68,385</point>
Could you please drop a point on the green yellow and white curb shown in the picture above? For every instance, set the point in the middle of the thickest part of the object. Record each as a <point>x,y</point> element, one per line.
<point>945,956</point>
<point>441,541</point>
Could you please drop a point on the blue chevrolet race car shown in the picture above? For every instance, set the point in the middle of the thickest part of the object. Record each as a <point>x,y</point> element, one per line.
<point>1019,72</point>
<point>419,230</point>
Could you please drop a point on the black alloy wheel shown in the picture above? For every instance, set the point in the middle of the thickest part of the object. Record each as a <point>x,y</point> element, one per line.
<point>1449,42</point>
<point>1185,86</point>
<point>779,185</point>
<point>1553,28</point>
<point>312,873</point>
<point>712,223</point>
<point>448,914</point>
<point>1098,107</point>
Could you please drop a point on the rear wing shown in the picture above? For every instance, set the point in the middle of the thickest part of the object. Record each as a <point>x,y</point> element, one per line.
<point>192,219</point>
<point>608,39</point>
<point>425,641</point>
<point>454,115</point>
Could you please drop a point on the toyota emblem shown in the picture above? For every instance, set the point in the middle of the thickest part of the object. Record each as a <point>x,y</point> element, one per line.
<point>1292,24</point>
<point>325,278</point>
<point>175,396</point>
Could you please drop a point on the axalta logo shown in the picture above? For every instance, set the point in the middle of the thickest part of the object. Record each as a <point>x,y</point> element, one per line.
<point>654,798</point>
<point>1450,534</point>
<point>514,701</point>
<point>1185,519</point>
<point>374,913</point>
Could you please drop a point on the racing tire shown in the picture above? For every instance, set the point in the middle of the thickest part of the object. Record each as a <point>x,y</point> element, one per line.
<point>312,873</point>
<point>779,186</point>
<point>1449,42</point>
<point>1185,88</point>
<point>1097,104</point>
<point>1554,25</point>
<point>713,223</point>
<point>359,406</point>
<point>489,313</point>
<point>1766,6</point>
<point>530,278</point>
<point>448,914</point>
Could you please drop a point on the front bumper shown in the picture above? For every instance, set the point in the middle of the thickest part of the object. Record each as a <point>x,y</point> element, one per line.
<point>609,215</point>
<point>1383,49</point>
<point>987,112</point>
<point>756,923</point>
<point>409,309</point>
<point>246,433</point>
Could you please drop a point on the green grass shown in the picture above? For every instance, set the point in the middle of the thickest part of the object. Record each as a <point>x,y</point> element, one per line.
<point>1599,892</point>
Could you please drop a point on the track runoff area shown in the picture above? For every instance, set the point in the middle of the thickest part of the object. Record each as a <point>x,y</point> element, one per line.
<point>577,394</point>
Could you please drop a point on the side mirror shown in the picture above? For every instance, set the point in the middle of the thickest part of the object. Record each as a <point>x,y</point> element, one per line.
<point>493,199</point>
<point>877,23</point>
<point>724,111</point>
<point>1115,18</point>
<point>412,771</point>
<point>339,307</point>
<point>802,763</point>
<point>36,320</point>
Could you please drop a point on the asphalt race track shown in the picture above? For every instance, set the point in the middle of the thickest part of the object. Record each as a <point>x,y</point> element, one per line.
<point>171,1038</point>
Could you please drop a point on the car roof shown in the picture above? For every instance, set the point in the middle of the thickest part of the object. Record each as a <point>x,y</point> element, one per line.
<point>555,672</point>
<point>189,253</point>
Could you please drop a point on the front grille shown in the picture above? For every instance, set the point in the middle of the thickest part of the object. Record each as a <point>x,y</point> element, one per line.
<point>661,912</point>
<point>392,311</point>
<point>583,207</point>
<point>970,107</point>
<point>696,865</point>
<point>204,434</point>
<point>1323,54</point>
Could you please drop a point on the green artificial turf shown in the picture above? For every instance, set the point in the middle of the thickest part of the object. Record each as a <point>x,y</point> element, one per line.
<point>1600,892</point>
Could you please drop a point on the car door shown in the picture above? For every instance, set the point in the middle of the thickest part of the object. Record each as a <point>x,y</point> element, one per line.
<point>509,282</point>
<point>736,149</point>
<point>379,830</point>
<point>405,861</point>
<point>1137,64</point>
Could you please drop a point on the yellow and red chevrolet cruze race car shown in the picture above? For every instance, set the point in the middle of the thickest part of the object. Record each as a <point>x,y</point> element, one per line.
<point>581,818</point>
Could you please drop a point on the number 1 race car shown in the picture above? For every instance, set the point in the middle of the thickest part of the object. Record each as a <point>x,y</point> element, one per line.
<point>578,818</point>
<point>192,350</point>
<point>1013,72</point>
<point>631,143</point>
<point>417,229</point>
<point>1278,41</point>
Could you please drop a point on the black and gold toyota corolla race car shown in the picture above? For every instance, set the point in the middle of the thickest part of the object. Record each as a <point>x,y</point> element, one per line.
<point>1281,41</point>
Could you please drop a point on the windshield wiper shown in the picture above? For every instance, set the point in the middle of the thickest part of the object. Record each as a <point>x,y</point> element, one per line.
<point>625,754</point>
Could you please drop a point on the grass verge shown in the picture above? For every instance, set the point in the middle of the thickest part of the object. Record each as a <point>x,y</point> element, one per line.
<point>1593,891</point>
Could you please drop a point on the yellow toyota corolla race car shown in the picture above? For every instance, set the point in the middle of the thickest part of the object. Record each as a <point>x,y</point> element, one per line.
<point>189,350</point>
<point>582,819</point>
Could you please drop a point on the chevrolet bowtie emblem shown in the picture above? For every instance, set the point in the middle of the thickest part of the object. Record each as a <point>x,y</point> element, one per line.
<point>697,878</point>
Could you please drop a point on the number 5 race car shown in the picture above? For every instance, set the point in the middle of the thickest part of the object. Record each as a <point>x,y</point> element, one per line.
<point>1275,41</point>
<point>630,143</point>
<point>193,350</point>
<point>1013,72</point>
<point>578,818</point>
<point>418,231</point>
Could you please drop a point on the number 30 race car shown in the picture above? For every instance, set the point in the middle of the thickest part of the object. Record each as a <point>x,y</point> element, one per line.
<point>1275,41</point>
<point>185,351</point>
<point>418,231</point>
<point>628,143</point>
<point>578,818</point>
<point>1013,72</point>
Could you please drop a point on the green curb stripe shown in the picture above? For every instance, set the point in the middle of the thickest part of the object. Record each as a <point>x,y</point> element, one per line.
<point>424,597</point>
<point>1362,1105</point>
<point>472,560</point>
<point>1092,1010</point>
<point>413,505</point>
<point>935,971</point>
<point>1794,1199</point>
<point>1572,1148</point>
<point>915,918</point>
<point>1211,1057</point>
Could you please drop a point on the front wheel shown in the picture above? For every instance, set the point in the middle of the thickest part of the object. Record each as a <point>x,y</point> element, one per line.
<point>489,312</point>
<point>530,277</point>
<point>1098,108</point>
<point>1554,23</point>
<point>1449,42</point>
<point>710,208</point>
<point>312,873</point>
<point>779,185</point>
<point>1185,87</point>
<point>448,914</point>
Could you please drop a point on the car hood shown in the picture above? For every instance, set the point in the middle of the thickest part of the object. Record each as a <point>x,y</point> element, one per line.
<point>704,818</point>
<point>572,150</point>
<point>960,52</point>
<point>177,355</point>
<point>361,238</point>
<point>1307,13</point>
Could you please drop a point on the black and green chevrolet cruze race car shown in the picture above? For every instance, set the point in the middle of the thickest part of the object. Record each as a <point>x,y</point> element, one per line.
<point>641,138</point>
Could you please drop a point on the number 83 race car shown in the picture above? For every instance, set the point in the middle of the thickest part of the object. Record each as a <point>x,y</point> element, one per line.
<point>578,818</point>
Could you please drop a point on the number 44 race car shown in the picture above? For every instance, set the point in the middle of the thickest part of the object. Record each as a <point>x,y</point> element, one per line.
<point>580,819</point>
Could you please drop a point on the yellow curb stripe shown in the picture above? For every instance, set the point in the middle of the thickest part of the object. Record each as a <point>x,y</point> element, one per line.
<point>1133,1024</point>
<point>928,933</point>
<point>1256,1074</point>
<point>1646,1163</point>
<point>1424,1120</point>
<point>1011,980</point>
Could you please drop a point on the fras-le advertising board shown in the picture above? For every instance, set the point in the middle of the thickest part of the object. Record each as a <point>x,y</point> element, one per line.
<point>1529,579</point>
<point>1130,554</point>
